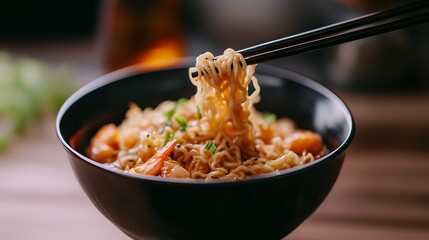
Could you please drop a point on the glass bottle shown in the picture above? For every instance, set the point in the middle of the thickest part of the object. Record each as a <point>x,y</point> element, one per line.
<point>135,31</point>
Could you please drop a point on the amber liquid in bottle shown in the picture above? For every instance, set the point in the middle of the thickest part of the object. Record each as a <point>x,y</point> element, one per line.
<point>136,31</point>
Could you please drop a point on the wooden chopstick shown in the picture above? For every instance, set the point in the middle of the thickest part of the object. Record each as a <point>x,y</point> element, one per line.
<point>369,25</point>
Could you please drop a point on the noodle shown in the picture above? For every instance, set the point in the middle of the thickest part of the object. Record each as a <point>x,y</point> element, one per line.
<point>216,134</point>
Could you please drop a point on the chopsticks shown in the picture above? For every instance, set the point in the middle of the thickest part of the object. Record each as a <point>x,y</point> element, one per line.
<point>342,32</point>
<point>361,27</point>
<point>337,33</point>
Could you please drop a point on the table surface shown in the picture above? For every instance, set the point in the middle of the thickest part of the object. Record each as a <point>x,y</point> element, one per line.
<point>381,193</point>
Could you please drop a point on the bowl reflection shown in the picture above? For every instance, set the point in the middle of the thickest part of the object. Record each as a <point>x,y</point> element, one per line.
<point>268,206</point>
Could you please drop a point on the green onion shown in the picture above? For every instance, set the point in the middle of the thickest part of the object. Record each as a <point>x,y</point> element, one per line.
<point>199,115</point>
<point>182,121</point>
<point>269,117</point>
<point>170,113</point>
<point>181,102</point>
<point>168,137</point>
<point>211,147</point>
<point>167,124</point>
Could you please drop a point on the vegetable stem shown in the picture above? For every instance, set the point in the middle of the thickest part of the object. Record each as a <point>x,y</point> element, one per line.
<point>211,147</point>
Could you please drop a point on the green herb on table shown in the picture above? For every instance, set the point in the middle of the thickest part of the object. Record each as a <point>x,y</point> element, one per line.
<point>29,89</point>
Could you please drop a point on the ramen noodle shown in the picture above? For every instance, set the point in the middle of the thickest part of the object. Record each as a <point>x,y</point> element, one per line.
<point>215,134</point>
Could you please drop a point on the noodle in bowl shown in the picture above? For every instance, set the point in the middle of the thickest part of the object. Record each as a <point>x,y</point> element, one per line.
<point>216,134</point>
<point>263,206</point>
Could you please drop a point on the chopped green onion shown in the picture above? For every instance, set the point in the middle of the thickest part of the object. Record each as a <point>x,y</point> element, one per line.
<point>199,115</point>
<point>167,124</point>
<point>182,121</point>
<point>168,137</point>
<point>269,117</point>
<point>170,113</point>
<point>181,102</point>
<point>211,147</point>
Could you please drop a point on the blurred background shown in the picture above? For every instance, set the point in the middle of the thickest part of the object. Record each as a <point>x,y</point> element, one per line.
<point>50,48</point>
<point>127,31</point>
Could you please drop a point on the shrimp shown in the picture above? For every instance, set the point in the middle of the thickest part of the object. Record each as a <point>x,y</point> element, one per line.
<point>174,170</point>
<point>305,141</point>
<point>154,164</point>
<point>103,147</point>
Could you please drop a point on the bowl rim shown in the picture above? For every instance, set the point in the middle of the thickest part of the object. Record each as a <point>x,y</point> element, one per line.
<point>137,69</point>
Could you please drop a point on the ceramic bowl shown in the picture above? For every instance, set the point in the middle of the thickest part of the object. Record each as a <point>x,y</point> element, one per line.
<point>268,206</point>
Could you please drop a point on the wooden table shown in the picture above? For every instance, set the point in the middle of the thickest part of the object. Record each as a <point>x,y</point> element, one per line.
<point>383,189</point>
<point>381,193</point>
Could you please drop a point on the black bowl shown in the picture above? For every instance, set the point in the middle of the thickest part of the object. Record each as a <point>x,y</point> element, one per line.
<point>268,206</point>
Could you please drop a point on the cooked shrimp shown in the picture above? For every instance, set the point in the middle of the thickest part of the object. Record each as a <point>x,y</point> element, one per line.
<point>154,164</point>
<point>103,147</point>
<point>174,170</point>
<point>305,141</point>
